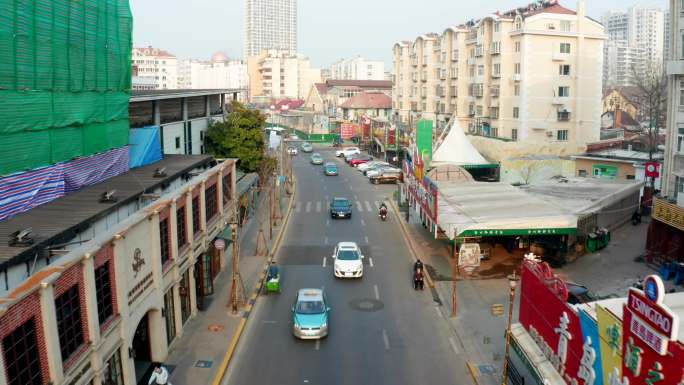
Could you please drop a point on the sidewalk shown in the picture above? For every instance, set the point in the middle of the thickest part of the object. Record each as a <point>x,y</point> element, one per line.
<point>196,357</point>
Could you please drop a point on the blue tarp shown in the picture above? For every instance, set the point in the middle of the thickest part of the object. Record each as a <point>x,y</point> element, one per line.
<point>145,146</point>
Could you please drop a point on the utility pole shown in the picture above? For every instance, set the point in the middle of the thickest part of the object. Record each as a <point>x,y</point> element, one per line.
<point>237,289</point>
<point>454,274</point>
<point>270,210</point>
<point>513,282</point>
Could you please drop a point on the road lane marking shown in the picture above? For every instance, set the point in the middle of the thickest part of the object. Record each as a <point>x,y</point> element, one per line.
<point>377,292</point>
<point>359,206</point>
<point>366,238</point>
<point>318,344</point>
<point>368,206</point>
<point>327,222</point>
<point>452,342</point>
<point>351,187</point>
<point>318,206</point>
<point>363,223</point>
<point>370,261</point>
<point>308,207</point>
<point>385,339</point>
<point>325,261</point>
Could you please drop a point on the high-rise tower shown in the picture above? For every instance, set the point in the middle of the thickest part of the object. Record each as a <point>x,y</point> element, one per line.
<point>270,24</point>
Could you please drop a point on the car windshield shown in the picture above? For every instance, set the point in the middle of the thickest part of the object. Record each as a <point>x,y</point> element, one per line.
<point>347,255</point>
<point>310,307</point>
<point>340,203</point>
<point>331,166</point>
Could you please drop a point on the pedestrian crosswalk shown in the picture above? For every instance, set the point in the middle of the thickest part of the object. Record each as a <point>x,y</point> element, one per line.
<point>320,206</point>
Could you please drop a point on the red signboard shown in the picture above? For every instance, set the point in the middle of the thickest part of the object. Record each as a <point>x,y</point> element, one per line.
<point>552,323</point>
<point>653,314</point>
<point>392,136</point>
<point>347,130</point>
<point>652,169</point>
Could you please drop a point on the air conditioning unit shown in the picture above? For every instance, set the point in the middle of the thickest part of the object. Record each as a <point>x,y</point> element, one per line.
<point>549,133</point>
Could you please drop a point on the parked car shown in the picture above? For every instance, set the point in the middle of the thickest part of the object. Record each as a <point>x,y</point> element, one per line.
<point>294,137</point>
<point>310,314</point>
<point>340,208</point>
<point>307,147</point>
<point>364,166</point>
<point>330,169</point>
<point>388,175</point>
<point>379,171</point>
<point>376,166</point>
<point>292,150</point>
<point>579,294</point>
<point>316,158</point>
<point>348,260</point>
<point>347,151</point>
<point>360,160</point>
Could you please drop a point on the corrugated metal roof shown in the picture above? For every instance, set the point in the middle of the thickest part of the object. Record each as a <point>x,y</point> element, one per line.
<point>60,220</point>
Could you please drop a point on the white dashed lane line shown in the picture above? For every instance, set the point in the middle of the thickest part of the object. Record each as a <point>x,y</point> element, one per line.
<point>368,206</point>
<point>377,292</point>
<point>370,261</point>
<point>318,207</point>
<point>366,238</point>
<point>385,339</point>
<point>363,223</point>
<point>454,346</point>
<point>325,261</point>
<point>359,206</point>
<point>308,207</point>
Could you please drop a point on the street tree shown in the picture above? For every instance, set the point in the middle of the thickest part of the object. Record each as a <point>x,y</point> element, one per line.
<point>240,136</point>
<point>650,98</point>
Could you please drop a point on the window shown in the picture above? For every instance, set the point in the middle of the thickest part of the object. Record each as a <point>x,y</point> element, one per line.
<point>518,22</point>
<point>563,116</point>
<point>112,373</point>
<point>69,324</point>
<point>210,201</point>
<point>630,177</point>
<point>679,186</point>
<point>516,90</point>
<point>496,69</point>
<point>22,360</point>
<point>517,46</point>
<point>681,48</point>
<point>516,112</point>
<point>480,70</point>
<point>103,289</point>
<point>564,69</point>
<point>564,47</point>
<point>494,112</point>
<point>564,91</point>
<point>195,216</point>
<point>169,313</point>
<point>164,241</point>
<point>181,232</point>
<point>517,69</point>
<point>680,140</point>
<point>562,135</point>
<point>514,134</point>
<point>184,293</point>
<point>497,26</point>
<point>582,173</point>
<point>566,26</point>
<point>479,110</point>
<point>177,142</point>
<point>471,70</point>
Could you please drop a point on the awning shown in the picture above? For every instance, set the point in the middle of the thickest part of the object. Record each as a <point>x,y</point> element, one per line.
<point>498,209</point>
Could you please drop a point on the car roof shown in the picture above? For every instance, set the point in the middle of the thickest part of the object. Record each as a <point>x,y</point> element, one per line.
<point>310,294</point>
<point>340,198</point>
<point>331,164</point>
<point>315,154</point>
<point>347,245</point>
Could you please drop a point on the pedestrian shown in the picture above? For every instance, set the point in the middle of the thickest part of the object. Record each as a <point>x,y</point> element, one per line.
<point>159,376</point>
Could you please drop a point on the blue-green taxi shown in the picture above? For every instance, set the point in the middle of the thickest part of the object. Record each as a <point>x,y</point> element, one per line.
<point>310,314</point>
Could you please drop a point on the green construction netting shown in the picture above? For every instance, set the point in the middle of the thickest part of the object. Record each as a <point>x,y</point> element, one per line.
<point>65,79</point>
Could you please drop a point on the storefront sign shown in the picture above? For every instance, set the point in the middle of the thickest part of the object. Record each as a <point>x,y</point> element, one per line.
<point>652,169</point>
<point>347,130</point>
<point>591,369</point>
<point>495,232</point>
<point>219,244</point>
<point>648,305</point>
<point>610,333</point>
<point>668,213</point>
<point>554,325</point>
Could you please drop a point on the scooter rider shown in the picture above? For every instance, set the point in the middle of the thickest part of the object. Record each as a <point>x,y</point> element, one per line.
<point>383,209</point>
<point>417,265</point>
<point>273,271</point>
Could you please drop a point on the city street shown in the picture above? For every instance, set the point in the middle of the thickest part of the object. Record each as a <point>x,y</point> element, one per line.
<point>381,330</point>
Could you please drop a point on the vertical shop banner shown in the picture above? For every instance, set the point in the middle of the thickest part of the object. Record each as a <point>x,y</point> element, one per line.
<point>610,333</point>
<point>593,370</point>
<point>424,140</point>
<point>347,131</point>
<point>392,136</point>
<point>553,324</point>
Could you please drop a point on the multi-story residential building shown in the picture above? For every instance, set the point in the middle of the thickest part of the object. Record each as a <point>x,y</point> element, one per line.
<point>156,66</point>
<point>357,68</point>
<point>622,63</point>
<point>270,24</point>
<point>219,72</point>
<point>666,37</point>
<point>280,74</point>
<point>509,75</point>
<point>326,99</point>
<point>636,39</point>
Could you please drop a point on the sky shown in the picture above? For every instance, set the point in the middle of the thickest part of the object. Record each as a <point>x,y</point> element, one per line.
<point>328,30</point>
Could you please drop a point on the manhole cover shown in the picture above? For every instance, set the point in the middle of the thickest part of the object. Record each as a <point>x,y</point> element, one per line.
<point>215,328</point>
<point>366,304</point>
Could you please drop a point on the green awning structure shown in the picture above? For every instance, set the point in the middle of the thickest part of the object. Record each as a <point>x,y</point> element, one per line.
<point>518,232</point>
<point>479,166</point>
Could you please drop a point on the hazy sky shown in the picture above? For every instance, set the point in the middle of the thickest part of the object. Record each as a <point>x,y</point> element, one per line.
<point>328,30</point>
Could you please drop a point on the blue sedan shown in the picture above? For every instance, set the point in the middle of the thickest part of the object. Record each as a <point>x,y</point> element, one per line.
<point>310,314</point>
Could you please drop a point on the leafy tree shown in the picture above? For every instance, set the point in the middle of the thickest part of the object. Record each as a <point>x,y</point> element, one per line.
<point>240,136</point>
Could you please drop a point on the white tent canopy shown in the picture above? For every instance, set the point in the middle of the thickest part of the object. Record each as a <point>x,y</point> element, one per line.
<point>497,209</point>
<point>457,149</point>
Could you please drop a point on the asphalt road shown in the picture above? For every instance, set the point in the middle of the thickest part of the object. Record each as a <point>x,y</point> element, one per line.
<point>381,330</point>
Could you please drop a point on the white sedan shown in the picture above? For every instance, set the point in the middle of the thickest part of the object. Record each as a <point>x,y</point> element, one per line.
<point>365,166</point>
<point>292,150</point>
<point>348,260</point>
<point>348,151</point>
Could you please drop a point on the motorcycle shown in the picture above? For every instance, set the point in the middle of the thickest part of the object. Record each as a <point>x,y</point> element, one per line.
<point>383,214</point>
<point>418,279</point>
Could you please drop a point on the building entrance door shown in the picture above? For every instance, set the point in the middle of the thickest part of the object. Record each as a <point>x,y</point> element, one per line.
<point>141,351</point>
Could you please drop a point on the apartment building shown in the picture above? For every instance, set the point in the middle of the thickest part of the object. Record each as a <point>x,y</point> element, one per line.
<point>638,27</point>
<point>270,24</point>
<point>622,63</point>
<point>511,75</point>
<point>280,74</point>
<point>156,67</point>
<point>357,68</point>
<point>219,72</point>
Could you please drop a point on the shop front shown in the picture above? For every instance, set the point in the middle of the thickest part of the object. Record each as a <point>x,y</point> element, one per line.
<point>665,241</point>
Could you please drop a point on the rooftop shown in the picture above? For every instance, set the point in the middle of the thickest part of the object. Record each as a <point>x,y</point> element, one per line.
<point>378,84</point>
<point>620,154</point>
<point>146,95</point>
<point>62,219</point>
<point>368,100</point>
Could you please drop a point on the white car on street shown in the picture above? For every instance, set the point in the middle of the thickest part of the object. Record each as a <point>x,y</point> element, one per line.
<point>365,166</point>
<point>292,150</point>
<point>348,151</point>
<point>379,170</point>
<point>348,260</point>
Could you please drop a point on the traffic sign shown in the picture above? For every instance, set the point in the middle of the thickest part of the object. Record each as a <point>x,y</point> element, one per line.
<point>219,244</point>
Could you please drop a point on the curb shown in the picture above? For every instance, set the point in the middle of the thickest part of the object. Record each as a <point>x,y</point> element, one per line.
<point>255,293</point>
<point>409,240</point>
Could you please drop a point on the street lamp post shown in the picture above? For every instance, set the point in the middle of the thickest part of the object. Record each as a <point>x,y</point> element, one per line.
<point>512,282</point>
<point>236,287</point>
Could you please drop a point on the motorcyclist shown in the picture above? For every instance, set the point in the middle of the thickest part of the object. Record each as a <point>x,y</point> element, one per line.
<point>383,209</point>
<point>418,265</point>
<point>273,271</point>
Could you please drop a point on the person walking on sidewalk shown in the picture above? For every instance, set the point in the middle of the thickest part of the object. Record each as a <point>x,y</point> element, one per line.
<point>160,376</point>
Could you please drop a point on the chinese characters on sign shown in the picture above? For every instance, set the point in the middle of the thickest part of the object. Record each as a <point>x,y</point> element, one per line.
<point>668,213</point>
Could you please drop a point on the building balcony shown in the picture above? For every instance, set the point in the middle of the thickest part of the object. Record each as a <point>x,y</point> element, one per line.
<point>558,56</point>
<point>516,77</point>
<point>559,100</point>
